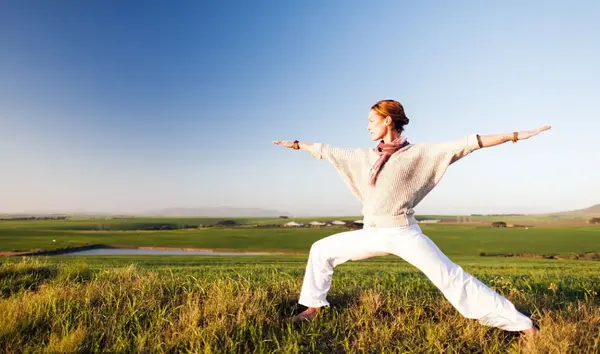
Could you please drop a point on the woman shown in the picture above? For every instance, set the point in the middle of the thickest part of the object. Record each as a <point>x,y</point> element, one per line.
<point>390,180</point>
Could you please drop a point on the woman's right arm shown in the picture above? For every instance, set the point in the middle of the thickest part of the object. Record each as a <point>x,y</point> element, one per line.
<point>290,144</point>
<point>338,156</point>
<point>350,163</point>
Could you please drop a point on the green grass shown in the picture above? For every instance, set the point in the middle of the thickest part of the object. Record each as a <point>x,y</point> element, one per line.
<point>452,239</point>
<point>240,305</point>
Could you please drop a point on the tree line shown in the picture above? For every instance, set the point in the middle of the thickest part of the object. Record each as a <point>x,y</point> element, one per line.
<point>23,218</point>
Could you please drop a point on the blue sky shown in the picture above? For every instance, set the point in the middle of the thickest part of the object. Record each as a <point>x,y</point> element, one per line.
<point>114,106</point>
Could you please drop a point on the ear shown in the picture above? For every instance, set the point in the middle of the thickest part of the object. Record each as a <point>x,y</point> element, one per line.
<point>388,120</point>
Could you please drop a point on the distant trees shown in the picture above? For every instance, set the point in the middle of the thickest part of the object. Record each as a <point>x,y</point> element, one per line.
<point>498,224</point>
<point>594,221</point>
<point>226,223</point>
<point>497,214</point>
<point>353,225</point>
<point>154,226</point>
<point>283,217</point>
<point>25,218</point>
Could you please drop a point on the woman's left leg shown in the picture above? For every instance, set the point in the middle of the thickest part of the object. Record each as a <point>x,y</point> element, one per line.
<point>468,295</point>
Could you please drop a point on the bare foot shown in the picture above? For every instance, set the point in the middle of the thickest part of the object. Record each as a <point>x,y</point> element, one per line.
<point>307,314</point>
<point>531,332</point>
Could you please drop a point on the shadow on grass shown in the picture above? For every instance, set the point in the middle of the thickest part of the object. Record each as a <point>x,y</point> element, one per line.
<point>15,280</point>
<point>289,306</point>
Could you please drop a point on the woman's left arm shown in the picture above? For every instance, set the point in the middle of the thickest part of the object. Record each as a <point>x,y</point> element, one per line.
<point>459,148</point>
<point>497,139</point>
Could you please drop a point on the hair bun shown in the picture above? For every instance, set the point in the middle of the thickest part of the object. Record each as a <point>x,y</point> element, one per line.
<point>406,120</point>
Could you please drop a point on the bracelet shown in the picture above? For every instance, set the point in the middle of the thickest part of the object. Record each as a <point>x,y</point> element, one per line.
<point>515,137</point>
<point>296,146</point>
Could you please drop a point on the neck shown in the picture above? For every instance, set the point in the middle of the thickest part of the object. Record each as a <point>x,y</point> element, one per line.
<point>390,136</point>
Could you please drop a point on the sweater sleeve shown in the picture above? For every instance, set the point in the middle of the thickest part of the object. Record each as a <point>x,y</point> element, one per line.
<point>458,148</point>
<point>350,163</point>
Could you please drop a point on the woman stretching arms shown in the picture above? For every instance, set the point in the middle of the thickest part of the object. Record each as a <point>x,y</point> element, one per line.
<point>389,181</point>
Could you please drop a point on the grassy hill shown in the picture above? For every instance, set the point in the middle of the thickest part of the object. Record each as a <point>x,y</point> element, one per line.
<point>591,211</point>
<point>234,305</point>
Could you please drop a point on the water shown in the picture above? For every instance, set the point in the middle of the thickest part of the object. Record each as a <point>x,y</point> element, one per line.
<point>151,252</point>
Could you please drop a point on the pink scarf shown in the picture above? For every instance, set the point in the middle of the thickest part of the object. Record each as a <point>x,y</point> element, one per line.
<point>385,151</point>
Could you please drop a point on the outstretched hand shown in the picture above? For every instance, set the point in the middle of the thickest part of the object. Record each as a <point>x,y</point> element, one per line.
<point>284,143</point>
<point>529,133</point>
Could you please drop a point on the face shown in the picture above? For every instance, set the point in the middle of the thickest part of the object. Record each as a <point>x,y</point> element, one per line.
<point>378,126</point>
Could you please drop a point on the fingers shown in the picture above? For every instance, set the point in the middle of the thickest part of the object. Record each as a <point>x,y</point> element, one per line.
<point>530,133</point>
<point>282,143</point>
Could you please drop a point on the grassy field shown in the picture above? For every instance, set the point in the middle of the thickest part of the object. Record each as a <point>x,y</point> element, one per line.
<point>452,239</point>
<point>240,305</point>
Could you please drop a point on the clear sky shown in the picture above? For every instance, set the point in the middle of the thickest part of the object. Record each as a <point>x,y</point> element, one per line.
<point>119,106</point>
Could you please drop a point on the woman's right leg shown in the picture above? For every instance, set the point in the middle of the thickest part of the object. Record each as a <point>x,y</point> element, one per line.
<point>329,252</point>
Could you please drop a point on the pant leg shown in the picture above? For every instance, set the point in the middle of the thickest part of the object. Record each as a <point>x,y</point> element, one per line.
<point>329,252</point>
<point>468,295</point>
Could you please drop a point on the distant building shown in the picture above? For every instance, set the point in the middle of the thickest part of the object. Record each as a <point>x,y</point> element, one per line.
<point>317,223</point>
<point>429,221</point>
<point>293,224</point>
<point>338,222</point>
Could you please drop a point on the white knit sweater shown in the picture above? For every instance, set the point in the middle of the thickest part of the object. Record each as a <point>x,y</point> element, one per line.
<point>405,179</point>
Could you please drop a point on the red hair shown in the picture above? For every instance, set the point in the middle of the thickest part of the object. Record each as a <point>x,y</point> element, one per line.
<point>394,110</point>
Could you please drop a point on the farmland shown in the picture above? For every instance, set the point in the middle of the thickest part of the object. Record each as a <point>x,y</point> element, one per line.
<point>454,239</point>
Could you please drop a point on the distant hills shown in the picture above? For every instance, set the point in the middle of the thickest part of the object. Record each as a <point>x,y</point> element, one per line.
<point>261,212</point>
<point>221,212</point>
<point>218,212</point>
<point>593,210</point>
<point>166,212</point>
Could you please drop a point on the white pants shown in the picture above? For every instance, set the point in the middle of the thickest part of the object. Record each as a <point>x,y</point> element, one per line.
<point>467,294</point>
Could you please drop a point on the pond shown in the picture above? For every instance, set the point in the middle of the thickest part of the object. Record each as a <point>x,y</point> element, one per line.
<point>154,252</point>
